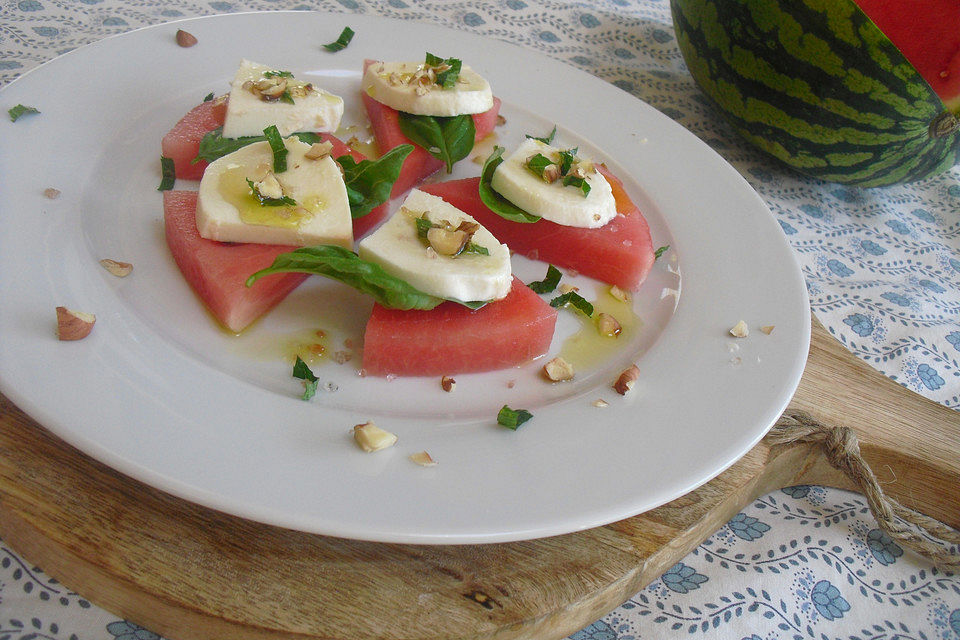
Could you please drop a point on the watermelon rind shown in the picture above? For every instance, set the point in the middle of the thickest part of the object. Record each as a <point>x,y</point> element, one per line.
<point>817,85</point>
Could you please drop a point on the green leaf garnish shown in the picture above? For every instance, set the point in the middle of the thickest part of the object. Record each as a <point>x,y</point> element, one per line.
<point>303,372</point>
<point>548,139</point>
<point>266,201</point>
<point>566,160</point>
<point>423,228</point>
<point>286,97</point>
<point>580,183</point>
<point>279,149</point>
<point>347,267</point>
<point>369,182</point>
<point>214,145</point>
<point>448,77</point>
<point>168,174</point>
<point>277,74</point>
<point>549,283</point>
<point>575,300</point>
<point>449,139</point>
<point>512,418</point>
<point>19,111</point>
<point>494,201</point>
<point>538,164</point>
<point>208,97</point>
<point>659,252</point>
<point>340,43</point>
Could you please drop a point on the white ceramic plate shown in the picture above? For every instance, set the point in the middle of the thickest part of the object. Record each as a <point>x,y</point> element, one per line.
<point>158,392</point>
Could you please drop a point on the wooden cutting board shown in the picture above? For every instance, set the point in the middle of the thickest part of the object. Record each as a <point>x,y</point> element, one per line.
<point>190,573</point>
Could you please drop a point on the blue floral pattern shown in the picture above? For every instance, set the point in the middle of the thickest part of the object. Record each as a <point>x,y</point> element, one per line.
<point>882,268</point>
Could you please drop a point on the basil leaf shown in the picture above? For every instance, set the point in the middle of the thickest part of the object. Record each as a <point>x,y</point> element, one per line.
<point>20,110</point>
<point>432,60</point>
<point>448,78</point>
<point>279,149</point>
<point>538,164</point>
<point>660,251</point>
<point>566,160</point>
<point>494,201</point>
<point>266,201</point>
<point>286,97</point>
<point>214,145</point>
<point>369,182</point>
<point>579,183</point>
<point>168,173</point>
<point>512,418</point>
<point>548,139</point>
<point>575,300</point>
<point>549,283</point>
<point>473,247</point>
<point>446,138</point>
<point>303,372</point>
<point>347,267</point>
<point>277,74</point>
<point>340,43</point>
<point>208,97</point>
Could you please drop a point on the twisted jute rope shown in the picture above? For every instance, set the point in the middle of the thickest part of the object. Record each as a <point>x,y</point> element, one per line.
<point>928,537</point>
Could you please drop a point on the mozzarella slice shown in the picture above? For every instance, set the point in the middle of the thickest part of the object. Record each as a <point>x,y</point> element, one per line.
<point>553,201</point>
<point>255,104</point>
<point>468,277</point>
<point>399,85</point>
<point>228,210</point>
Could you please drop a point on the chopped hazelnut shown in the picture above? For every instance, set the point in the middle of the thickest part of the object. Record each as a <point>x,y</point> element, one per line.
<point>768,329</point>
<point>607,325</point>
<point>270,187</point>
<point>448,384</point>
<point>319,150</point>
<point>567,288</point>
<point>600,403</point>
<point>740,330</point>
<point>51,193</point>
<point>626,380</point>
<point>423,459</point>
<point>185,39</point>
<point>73,325</point>
<point>558,370</point>
<point>119,269</point>
<point>370,437</point>
<point>619,293</point>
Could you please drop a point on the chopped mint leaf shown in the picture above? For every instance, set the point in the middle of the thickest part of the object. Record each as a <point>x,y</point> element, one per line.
<point>575,300</point>
<point>277,74</point>
<point>580,183</point>
<point>432,60</point>
<point>208,97</point>
<point>473,247</point>
<point>369,182</point>
<point>278,147</point>
<point>539,163</point>
<point>447,78</point>
<point>19,111</point>
<point>566,160</point>
<point>549,283</point>
<point>340,43</point>
<point>286,97</point>
<point>303,372</point>
<point>548,139</point>
<point>512,418</point>
<point>659,252</point>
<point>266,201</point>
<point>168,173</point>
<point>214,145</point>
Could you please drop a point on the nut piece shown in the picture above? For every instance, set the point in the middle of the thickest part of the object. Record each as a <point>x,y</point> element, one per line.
<point>767,329</point>
<point>626,380</point>
<point>740,330</point>
<point>370,437</point>
<point>319,150</point>
<point>51,193</point>
<point>608,326</point>
<point>619,293</point>
<point>558,370</point>
<point>567,288</point>
<point>600,403</point>
<point>185,39</point>
<point>448,384</point>
<point>119,269</point>
<point>423,459</point>
<point>73,325</point>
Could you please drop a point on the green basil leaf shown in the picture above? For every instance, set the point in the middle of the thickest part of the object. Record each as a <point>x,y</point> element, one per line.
<point>347,267</point>
<point>340,43</point>
<point>19,111</point>
<point>494,201</point>
<point>369,182</point>
<point>266,201</point>
<point>548,139</point>
<point>549,282</point>
<point>168,174</point>
<point>279,149</point>
<point>512,418</point>
<point>277,74</point>
<point>575,300</point>
<point>303,372</point>
<point>208,97</point>
<point>214,145</point>
<point>448,78</point>
<point>446,138</point>
<point>538,164</point>
<point>566,160</point>
<point>478,249</point>
<point>579,183</point>
<point>660,251</point>
<point>432,60</point>
<point>286,98</point>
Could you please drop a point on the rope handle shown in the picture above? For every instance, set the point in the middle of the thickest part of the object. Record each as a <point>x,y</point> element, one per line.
<point>936,541</point>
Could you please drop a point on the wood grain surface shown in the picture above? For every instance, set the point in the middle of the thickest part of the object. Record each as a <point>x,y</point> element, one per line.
<point>190,573</point>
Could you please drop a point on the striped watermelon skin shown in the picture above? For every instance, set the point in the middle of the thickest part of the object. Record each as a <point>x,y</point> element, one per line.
<point>817,85</point>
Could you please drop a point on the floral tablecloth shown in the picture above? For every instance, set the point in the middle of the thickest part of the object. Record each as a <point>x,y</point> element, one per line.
<point>882,268</point>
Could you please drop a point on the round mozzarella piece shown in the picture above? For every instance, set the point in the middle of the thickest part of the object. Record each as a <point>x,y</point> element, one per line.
<point>313,109</point>
<point>468,277</point>
<point>228,211</point>
<point>553,201</point>
<point>394,84</point>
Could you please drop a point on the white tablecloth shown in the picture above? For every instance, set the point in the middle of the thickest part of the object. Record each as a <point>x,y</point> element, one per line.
<point>883,272</point>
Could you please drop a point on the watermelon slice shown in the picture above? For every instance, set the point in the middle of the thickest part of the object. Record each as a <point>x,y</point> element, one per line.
<point>183,141</point>
<point>620,252</point>
<point>217,271</point>
<point>453,339</point>
<point>419,164</point>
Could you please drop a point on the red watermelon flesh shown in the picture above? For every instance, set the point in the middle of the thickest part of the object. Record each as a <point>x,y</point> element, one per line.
<point>183,141</point>
<point>620,252</point>
<point>453,339</point>
<point>927,32</point>
<point>419,164</point>
<point>217,271</point>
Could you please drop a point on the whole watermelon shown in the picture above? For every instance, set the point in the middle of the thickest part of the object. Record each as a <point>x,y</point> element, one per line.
<point>816,84</point>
